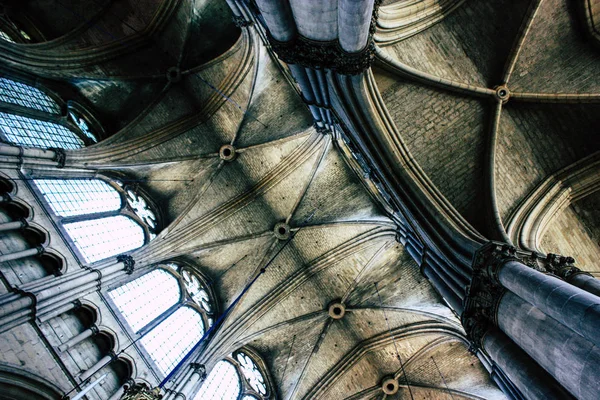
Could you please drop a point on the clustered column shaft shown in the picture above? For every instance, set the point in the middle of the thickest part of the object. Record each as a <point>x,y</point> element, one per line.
<point>542,321</point>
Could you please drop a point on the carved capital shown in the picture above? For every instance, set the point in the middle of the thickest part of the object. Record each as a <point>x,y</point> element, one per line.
<point>141,391</point>
<point>128,262</point>
<point>240,21</point>
<point>324,55</point>
<point>485,292</point>
<point>563,267</point>
<point>199,369</point>
<point>59,156</point>
<point>328,55</point>
<point>321,129</point>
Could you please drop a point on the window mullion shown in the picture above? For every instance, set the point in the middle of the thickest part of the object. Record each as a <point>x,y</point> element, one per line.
<point>86,217</point>
<point>156,321</point>
<point>32,113</point>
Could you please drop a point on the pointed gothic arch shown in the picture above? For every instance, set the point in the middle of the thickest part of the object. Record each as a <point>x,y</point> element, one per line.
<point>169,310</point>
<point>100,217</point>
<point>242,375</point>
<point>32,115</point>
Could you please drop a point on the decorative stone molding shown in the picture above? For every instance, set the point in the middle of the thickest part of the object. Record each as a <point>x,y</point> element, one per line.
<point>240,21</point>
<point>390,386</point>
<point>336,310</point>
<point>321,129</point>
<point>141,391</point>
<point>282,231</point>
<point>330,55</point>
<point>318,55</point>
<point>562,267</point>
<point>485,292</point>
<point>59,156</point>
<point>199,369</point>
<point>227,153</point>
<point>128,261</point>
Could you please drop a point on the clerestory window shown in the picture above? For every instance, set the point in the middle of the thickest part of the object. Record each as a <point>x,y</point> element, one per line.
<point>30,117</point>
<point>236,377</point>
<point>169,309</point>
<point>101,218</point>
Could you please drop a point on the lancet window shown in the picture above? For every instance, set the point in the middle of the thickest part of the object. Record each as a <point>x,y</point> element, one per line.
<point>102,218</point>
<point>31,117</point>
<point>169,309</point>
<point>236,377</point>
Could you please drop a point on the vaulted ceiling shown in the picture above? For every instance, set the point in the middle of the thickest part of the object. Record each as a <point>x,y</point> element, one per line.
<point>173,81</point>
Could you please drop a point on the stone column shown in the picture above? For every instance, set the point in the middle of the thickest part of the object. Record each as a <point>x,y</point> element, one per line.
<point>197,377</point>
<point>278,17</point>
<point>60,310</point>
<point>585,282</point>
<point>121,390</point>
<point>22,254</point>
<point>506,293</point>
<point>52,296</point>
<point>186,383</point>
<point>91,331</point>
<point>17,155</point>
<point>441,286</point>
<point>531,380</point>
<point>572,359</point>
<point>354,22</point>
<point>104,361</point>
<point>573,307</point>
<point>12,226</point>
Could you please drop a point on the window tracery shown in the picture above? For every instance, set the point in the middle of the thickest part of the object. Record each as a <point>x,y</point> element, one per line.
<point>95,216</point>
<point>236,377</point>
<point>160,308</point>
<point>31,117</point>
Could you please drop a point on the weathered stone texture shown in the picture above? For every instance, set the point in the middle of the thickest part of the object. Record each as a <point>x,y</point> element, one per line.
<point>575,233</point>
<point>537,140</point>
<point>446,135</point>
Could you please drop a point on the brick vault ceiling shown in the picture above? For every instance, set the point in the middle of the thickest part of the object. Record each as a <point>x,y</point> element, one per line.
<point>168,133</point>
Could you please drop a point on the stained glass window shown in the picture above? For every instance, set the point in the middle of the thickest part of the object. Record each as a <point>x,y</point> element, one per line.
<point>196,290</point>
<point>147,297</point>
<point>236,376</point>
<point>252,373</point>
<point>70,197</point>
<point>83,126</point>
<point>27,96</point>
<point>173,338</point>
<point>141,208</point>
<point>37,131</point>
<point>223,383</point>
<point>100,238</point>
<point>79,201</point>
<point>31,132</point>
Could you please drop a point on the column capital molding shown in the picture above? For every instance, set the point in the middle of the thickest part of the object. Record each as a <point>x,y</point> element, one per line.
<point>198,368</point>
<point>324,55</point>
<point>60,156</point>
<point>485,292</point>
<point>128,262</point>
<point>491,256</point>
<point>330,54</point>
<point>141,391</point>
<point>240,21</point>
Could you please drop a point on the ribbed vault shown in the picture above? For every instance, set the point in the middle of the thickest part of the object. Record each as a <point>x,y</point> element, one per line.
<point>281,225</point>
<point>483,152</point>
